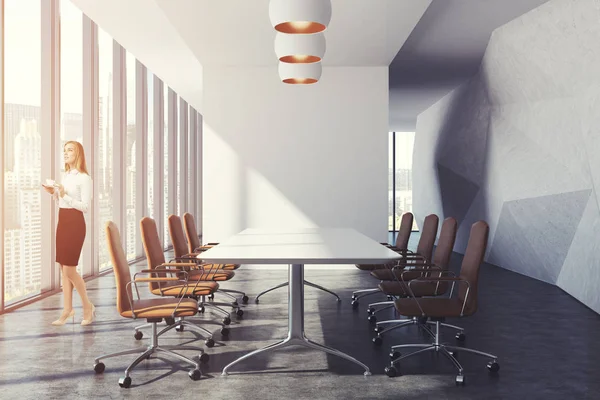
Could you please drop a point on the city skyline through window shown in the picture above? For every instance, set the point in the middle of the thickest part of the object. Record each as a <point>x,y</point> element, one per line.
<point>401,145</point>
<point>22,151</point>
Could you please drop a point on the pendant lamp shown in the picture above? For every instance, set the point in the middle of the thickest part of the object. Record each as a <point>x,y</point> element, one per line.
<point>300,73</point>
<point>300,16</point>
<point>299,48</point>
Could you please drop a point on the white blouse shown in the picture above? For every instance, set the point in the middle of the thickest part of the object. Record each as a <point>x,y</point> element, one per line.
<point>78,191</point>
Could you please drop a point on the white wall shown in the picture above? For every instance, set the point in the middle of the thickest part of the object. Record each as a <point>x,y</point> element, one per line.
<point>277,155</point>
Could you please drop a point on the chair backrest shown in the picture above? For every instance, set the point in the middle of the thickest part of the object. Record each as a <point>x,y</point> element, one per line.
<point>471,264</point>
<point>120,266</point>
<point>191,232</point>
<point>177,236</point>
<point>443,251</point>
<point>428,235</point>
<point>152,247</point>
<point>404,231</point>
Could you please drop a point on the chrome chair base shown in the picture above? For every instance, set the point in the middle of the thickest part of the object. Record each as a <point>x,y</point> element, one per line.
<point>399,323</point>
<point>125,381</point>
<point>307,283</point>
<point>449,351</point>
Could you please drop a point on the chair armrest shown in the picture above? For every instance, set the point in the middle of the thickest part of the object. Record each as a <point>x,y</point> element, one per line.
<point>135,281</point>
<point>181,265</point>
<point>441,279</point>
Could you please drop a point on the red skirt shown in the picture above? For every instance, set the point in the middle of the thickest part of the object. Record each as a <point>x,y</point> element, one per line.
<point>70,235</point>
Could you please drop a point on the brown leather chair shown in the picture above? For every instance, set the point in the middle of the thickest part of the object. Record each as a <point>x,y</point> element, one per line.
<point>410,259</point>
<point>399,288</point>
<point>191,232</point>
<point>464,304</point>
<point>201,283</point>
<point>406,223</point>
<point>215,271</point>
<point>153,310</point>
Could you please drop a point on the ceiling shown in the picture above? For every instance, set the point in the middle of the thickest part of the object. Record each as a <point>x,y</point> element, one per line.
<point>431,46</point>
<point>444,50</point>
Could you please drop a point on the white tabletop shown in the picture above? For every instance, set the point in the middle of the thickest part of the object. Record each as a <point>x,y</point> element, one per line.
<point>299,246</point>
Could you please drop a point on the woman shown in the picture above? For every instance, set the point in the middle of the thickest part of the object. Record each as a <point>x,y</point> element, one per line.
<point>73,195</point>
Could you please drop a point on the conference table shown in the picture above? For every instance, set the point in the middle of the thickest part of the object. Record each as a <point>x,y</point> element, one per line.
<point>297,247</point>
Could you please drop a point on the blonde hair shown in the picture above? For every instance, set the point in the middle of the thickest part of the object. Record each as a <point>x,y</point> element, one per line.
<point>79,157</point>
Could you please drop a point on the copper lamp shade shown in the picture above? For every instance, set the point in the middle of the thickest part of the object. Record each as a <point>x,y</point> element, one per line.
<point>300,16</point>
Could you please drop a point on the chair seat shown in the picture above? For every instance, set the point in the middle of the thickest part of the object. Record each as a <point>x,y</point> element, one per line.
<point>221,275</point>
<point>193,289</point>
<point>388,274</point>
<point>162,308</point>
<point>419,289</point>
<point>432,307</point>
<point>371,267</point>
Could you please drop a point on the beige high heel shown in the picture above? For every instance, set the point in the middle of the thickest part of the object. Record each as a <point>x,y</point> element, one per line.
<point>61,321</point>
<point>85,322</point>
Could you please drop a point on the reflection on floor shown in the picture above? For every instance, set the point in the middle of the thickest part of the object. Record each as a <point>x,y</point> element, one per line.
<point>546,342</point>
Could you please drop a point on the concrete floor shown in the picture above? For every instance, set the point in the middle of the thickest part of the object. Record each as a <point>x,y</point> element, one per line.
<point>545,340</point>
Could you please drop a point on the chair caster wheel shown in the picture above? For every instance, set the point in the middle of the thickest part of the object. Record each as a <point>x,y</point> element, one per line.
<point>180,328</point>
<point>460,337</point>
<point>355,304</point>
<point>195,374</point>
<point>225,331</point>
<point>391,371</point>
<point>372,319</point>
<point>377,341</point>
<point>245,299</point>
<point>204,358</point>
<point>460,380</point>
<point>234,304</point>
<point>99,367</point>
<point>493,366</point>
<point>354,297</point>
<point>394,355</point>
<point>256,300</point>
<point>138,335</point>
<point>201,309</point>
<point>211,296</point>
<point>379,329</point>
<point>370,310</point>
<point>125,382</point>
<point>239,313</point>
<point>226,321</point>
<point>209,342</point>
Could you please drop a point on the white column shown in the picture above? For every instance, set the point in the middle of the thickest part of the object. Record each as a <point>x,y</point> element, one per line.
<point>119,141</point>
<point>49,131</point>
<point>141,152</point>
<point>172,156</point>
<point>183,169</point>
<point>159,156</point>
<point>91,248</point>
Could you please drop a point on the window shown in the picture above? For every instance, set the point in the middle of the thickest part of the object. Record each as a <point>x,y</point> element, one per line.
<point>400,198</point>
<point>130,64</point>
<point>105,143</point>
<point>22,151</point>
<point>167,135</point>
<point>150,142</point>
<point>71,82</point>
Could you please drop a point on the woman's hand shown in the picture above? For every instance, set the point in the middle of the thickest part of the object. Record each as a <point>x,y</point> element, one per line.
<point>48,189</point>
<point>61,189</point>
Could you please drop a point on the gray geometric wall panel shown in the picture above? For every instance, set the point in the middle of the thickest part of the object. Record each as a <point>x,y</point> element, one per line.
<point>457,192</point>
<point>530,118</point>
<point>511,249</point>
<point>548,223</point>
